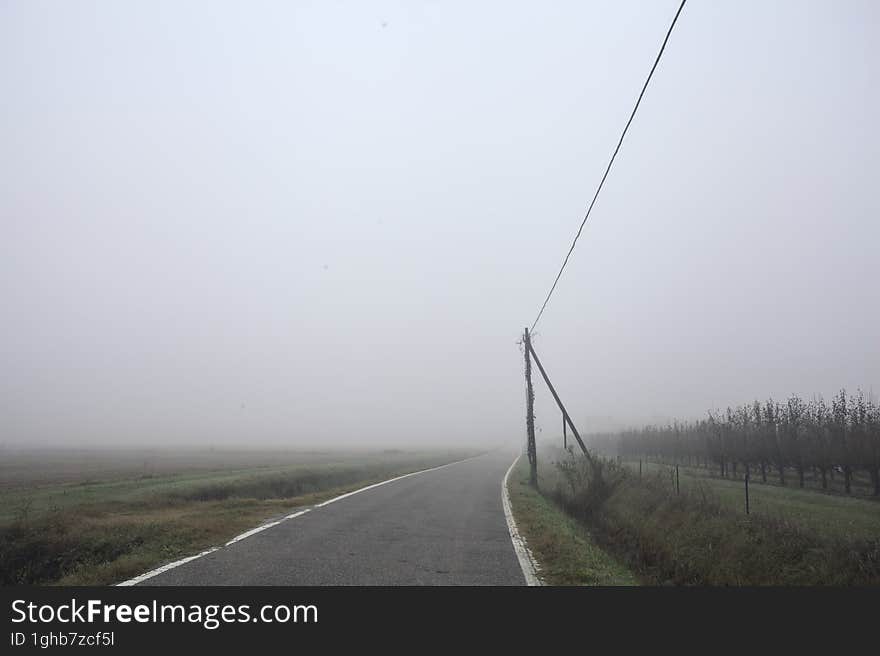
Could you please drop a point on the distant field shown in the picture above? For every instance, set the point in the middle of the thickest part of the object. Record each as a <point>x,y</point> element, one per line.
<point>81,517</point>
<point>35,482</point>
<point>830,514</point>
<point>40,466</point>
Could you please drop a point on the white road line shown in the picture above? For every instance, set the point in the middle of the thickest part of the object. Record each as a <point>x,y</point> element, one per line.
<point>254,531</point>
<point>165,568</point>
<point>526,560</point>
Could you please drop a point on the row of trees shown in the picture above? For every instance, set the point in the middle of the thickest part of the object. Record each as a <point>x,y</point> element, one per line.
<point>771,437</point>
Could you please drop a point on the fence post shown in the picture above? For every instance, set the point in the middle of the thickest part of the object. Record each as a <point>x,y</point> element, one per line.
<point>530,413</point>
<point>747,491</point>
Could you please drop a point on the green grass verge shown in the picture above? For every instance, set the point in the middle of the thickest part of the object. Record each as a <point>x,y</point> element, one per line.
<point>562,546</point>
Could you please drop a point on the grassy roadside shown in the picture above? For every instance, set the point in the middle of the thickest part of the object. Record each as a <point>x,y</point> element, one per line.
<point>102,532</point>
<point>562,546</point>
<point>695,538</point>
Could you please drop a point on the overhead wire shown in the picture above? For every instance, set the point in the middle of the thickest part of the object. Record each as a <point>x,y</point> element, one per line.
<point>610,163</point>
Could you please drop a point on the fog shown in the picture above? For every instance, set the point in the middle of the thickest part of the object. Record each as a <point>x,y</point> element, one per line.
<point>315,223</point>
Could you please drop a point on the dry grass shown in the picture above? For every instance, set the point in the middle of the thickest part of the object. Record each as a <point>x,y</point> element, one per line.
<point>694,538</point>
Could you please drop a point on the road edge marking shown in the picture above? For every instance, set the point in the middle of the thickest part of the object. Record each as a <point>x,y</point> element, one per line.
<point>165,568</point>
<point>527,561</point>
<point>168,566</point>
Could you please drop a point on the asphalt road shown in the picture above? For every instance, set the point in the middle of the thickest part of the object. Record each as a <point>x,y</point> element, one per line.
<point>442,527</point>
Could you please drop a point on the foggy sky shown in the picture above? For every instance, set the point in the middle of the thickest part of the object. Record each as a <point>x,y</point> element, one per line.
<point>315,223</point>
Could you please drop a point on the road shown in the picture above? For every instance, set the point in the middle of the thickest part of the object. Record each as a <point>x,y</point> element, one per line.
<point>440,527</point>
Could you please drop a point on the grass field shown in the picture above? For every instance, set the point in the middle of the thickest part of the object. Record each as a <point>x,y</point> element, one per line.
<point>702,536</point>
<point>122,517</point>
<point>809,508</point>
<point>562,546</point>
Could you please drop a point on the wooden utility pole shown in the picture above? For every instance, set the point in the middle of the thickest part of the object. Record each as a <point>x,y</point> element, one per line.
<point>530,412</point>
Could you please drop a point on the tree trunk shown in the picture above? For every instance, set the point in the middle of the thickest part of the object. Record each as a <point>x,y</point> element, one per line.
<point>847,479</point>
<point>875,476</point>
<point>800,475</point>
<point>763,471</point>
<point>781,474</point>
<point>824,478</point>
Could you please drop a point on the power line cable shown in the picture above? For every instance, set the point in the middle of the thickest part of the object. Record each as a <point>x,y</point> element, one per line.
<point>611,161</point>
